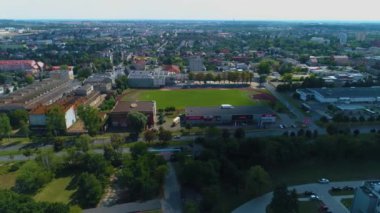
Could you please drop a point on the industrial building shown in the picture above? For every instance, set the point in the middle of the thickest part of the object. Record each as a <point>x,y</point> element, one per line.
<point>367,198</point>
<point>43,92</point>
<point>119,115</point>
<point>227,114</point>
<point>341,95</point>
<point>150,79</point>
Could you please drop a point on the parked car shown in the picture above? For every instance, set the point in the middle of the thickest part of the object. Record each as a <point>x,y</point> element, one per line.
<point>348,188</point>
<point>308,193</point>
<point>323,180</point>
<point>281,126</point>
<point>336,189</point>
<point>314,197</point>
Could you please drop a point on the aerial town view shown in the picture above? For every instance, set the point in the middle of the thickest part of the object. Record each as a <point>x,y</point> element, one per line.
<point>189,106</point>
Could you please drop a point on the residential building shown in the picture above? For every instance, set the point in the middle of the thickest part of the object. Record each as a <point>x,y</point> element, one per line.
<point>119,115</point>
<point>150,79</point>
<point>196,64</point>
<point>341,60</point>
<point>27,66</point>
<point>59,73</point>
<point>367,198</point>
<point>38,115</point>
<point>171,68</point>
<point>342,38</point>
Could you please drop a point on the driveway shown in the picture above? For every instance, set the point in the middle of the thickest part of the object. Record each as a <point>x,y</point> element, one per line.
<point>258,205</point>
<point>171,202</point>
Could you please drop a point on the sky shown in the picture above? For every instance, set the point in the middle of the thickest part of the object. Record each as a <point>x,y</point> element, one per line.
<point>192,9</point>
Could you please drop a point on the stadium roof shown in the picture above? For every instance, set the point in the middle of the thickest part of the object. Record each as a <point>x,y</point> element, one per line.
<point>238,110</point>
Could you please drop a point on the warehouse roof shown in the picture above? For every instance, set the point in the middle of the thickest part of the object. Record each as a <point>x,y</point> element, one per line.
<point>348,92</point>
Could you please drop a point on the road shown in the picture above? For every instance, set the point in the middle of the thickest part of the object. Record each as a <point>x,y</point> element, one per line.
<point>128,207</point>
<point>171,202</point>
<point>258,205</point>
<point>294,110</point>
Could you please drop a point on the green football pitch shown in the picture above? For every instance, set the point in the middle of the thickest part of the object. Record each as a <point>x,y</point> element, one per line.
<point>182,98</point>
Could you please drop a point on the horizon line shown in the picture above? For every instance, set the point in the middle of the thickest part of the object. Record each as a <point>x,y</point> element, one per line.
<point>204,20</point>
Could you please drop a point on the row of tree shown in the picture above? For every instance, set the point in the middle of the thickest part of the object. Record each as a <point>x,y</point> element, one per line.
<point>242,77</point>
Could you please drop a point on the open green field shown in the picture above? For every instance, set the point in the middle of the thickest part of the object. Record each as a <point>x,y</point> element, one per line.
<point>182,98</point>
<point>56,191</point>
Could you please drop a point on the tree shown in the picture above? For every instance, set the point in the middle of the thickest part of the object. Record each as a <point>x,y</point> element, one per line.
<point>18,117</point>
<point>226,134</point>
<point>5,125</point>
<point>89,191</point>
<point>239,133</point>
<point>264,68</point>
<point>136,121</point>
<point>91,119</point>
<point>122,82</point>
<point>13,202</point>
<point>24,129</point>
<point>257,181</point>
<point>139,149</point>
<point>150,135</point>
<point>284,201</point>
<point>164,135</point>
<point>32,177</point>
<point>82,143</point>
<point>55,121</point>
<point>113,155</point>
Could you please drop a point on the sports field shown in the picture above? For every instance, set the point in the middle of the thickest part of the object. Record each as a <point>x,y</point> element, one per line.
<point>182,98</point>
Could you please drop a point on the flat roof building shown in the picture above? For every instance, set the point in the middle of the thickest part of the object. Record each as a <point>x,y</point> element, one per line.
<point>227,114</point>
<point>367,198</point>
<point>341,95</point>
<point>118,116</point>
<point>150,79</point>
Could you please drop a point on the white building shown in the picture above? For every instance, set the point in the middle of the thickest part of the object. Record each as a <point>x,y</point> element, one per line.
<point>342,38</point>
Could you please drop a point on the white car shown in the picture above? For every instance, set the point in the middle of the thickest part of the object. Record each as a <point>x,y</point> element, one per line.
<point>314,197</point>
<point>282,126</point>
<point>323,180</point>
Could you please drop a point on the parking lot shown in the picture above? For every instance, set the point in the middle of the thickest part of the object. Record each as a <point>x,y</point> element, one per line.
<point>321,190</point>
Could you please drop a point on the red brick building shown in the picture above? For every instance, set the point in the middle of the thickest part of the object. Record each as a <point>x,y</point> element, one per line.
<point>119,114</point>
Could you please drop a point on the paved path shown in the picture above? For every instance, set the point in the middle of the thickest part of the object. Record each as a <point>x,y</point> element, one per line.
<point>171,202</point>
<point>128,207</point>
<point>258,205</point>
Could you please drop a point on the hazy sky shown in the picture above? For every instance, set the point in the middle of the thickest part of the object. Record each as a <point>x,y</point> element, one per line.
<point>191,9</point>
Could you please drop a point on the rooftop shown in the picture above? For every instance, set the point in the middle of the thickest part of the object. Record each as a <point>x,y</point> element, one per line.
<point>353,92</point>
<point>140,106</point>
<point>236,110</point>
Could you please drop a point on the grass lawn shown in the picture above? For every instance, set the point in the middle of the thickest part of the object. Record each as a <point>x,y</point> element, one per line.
<point>56,191</point>
<point>308,172</point>
<point>8,180</point>
<point>182,98</point>
<point>309,206</point>
<point>347,202</point>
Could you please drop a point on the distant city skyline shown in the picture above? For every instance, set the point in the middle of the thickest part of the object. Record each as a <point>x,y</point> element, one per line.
<point>339,10</point>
